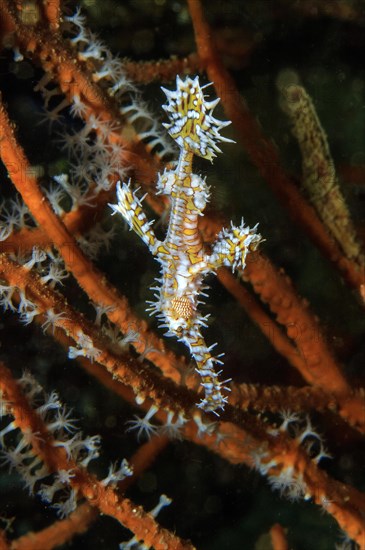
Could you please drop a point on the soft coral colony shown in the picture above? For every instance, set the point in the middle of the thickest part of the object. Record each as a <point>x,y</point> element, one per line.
<point>119,138</point>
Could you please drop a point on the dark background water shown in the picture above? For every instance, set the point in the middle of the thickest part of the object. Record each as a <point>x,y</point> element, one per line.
<point>215,504</point>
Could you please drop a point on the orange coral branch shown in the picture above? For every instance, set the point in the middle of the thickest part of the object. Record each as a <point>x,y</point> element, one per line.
<point>262,152</point>
<point>78,522</point>
<point>278,538</point>
<point>281,459</point>
<point>77,222</point>
<point>235,444</point>
<point>106,499</point>
<point>88,277</point>
<point>3,541</point>
<point>302,321</point>
<point>144,72</point>
<point>311,356</point>
<point>293,313</point>
<point>52,12</point>
<point>143,380</point>
<point>313,360</point>
<point>320,367</point>
<point>59,532</point>
<point>268,327</point>
<point>167,368</point>
<point>302,326</point>
<point>279,398</point>
<point>245,438</point>
<point>73,79</point>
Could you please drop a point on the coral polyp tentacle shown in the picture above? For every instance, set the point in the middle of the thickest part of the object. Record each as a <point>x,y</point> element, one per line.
<point>182,255</point>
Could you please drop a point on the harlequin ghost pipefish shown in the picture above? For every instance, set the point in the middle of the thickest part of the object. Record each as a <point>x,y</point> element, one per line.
<point>184,260</point>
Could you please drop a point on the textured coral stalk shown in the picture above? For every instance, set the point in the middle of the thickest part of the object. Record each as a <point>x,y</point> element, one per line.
<point>283,445</point>
<point>87,275</point>
<point>262,151</point>
<point>319,174</point>
<point>105,498</point>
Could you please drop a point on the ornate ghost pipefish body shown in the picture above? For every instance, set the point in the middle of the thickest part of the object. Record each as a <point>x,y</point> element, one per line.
<point>182,255</point>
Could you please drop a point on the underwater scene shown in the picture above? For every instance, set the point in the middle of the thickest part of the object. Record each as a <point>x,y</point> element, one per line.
<point>182,275</point>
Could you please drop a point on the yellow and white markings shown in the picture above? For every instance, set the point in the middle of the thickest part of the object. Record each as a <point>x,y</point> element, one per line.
<point>184,261</point>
